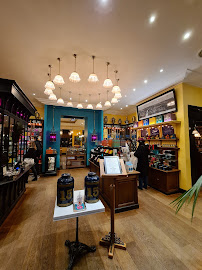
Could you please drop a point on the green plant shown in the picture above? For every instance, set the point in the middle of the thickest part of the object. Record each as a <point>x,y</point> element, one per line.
<point>187,196</point>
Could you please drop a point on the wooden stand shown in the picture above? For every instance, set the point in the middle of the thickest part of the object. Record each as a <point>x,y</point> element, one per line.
<point>111,240</point>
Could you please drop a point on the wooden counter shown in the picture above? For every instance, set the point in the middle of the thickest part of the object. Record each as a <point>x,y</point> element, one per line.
<point>11,191</point>
<point>126,195</point>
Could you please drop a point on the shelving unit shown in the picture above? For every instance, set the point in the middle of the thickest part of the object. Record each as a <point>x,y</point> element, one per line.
<point>76,160</point>
<point>160,124</point>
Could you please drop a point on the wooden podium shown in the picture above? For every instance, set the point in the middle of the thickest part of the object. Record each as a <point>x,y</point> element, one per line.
<point>111,240</point>
<point>126,195</point>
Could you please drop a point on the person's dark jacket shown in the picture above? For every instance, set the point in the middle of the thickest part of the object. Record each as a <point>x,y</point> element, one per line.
<point>32,153</point>
<point>38,148</point>
<point>143,161</point>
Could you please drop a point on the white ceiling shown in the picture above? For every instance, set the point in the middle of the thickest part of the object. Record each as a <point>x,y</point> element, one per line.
<point>34,33</point>
<point>65,123</point>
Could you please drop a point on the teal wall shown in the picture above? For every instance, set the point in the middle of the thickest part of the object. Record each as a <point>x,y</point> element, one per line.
<point>59,112</point>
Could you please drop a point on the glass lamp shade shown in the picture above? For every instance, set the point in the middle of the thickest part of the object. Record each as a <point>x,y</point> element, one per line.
<point>52,97</point>
<point>69,104</point>
<point>114,100</point>
<point>60,101</point>
<point>107,83</point>
<point>118,95</point>
<point>74,77</point>
<point>48,91</point>
<point>93,78</point>
<point>50,85</point>
<point>90,106</point>
<point>197,135</point>
<point>116,89</point>
<point>194,132</point>
<point>52,137</point>
<point>80,106</point>
<point>107,104</point>
<point>99,106</point>
<point>58,80</point>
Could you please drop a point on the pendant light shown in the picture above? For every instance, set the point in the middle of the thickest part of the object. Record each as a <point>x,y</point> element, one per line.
<point>58,78</point>
<point>69,103</point>
<point>107,103</point>
<point>114,100</point>
<point>116,87</point>
<point>60,100</point>
<point>118,95</point>
<point>79,106</point>
<point>74,77</point>
<point>107,83</point>
<point>90,106</point>
<point>93,77</point>
<point>49,84</point>
<point>48,91</point>
<point>99,105</point>
<point>52,97</point>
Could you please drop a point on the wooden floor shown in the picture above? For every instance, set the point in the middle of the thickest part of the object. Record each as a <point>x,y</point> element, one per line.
<point>156,238</point>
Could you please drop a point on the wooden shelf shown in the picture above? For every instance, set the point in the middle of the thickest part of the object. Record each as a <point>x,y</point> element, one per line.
<point>160,124</point>
<point>162,139</point>
<point>171,171</point>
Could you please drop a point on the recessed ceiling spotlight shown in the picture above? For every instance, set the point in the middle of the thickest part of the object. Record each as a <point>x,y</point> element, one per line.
<point>126,105</point>
<point>152,18</point>
<point>125,95</point>
<point>86,100</point>
<point>34,94</point>
<point>161,70</point>
<point>134,89</point>
<point>121,108</point>
<point>145,81</point>
<point>70,98</point>
<point>187,35</point>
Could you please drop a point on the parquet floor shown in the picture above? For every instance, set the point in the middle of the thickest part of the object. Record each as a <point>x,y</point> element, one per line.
<point>156,238</point>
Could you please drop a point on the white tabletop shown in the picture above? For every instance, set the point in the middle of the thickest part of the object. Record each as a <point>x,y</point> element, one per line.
<point>61,213</point>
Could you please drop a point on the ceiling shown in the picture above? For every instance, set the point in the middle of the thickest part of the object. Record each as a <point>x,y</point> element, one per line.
<point>66,123</point>
<point>35,33</point>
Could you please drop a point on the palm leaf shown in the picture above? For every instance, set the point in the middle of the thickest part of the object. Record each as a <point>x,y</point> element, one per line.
<point>187,196</point>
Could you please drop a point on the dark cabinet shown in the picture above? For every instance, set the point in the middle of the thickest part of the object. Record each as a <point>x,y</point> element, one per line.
<point>164,181</point>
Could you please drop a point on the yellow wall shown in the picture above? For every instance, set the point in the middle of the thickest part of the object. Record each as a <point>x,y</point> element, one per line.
<point>40,110</point>
<point>117,117</point>
<point>130,117</point>
<point>76,133</point>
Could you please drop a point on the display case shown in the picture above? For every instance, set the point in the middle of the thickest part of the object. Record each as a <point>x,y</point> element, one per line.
<point>15,110</point>
<point>35,129</point>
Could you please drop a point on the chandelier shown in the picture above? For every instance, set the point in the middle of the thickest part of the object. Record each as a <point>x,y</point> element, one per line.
<point>118,95</point>
<point>114,100</point>
<point>90,106</point>
<point>74,77</point>
<point>49,84</point>
<point>58,78</point>
<point>107,83</point>
<point>69,103</point>
<point>48,91</point>
<point>107,103</point>
<point>116,87</point>
<point>93,77</point>
<point>79,106</point>
<point>99,105</point>
<point>52,97</point>
<point>60,100</point>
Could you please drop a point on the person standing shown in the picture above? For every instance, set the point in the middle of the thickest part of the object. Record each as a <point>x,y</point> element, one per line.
<point>38,152</point>
<point>143,163</point>
<point>32,153</point>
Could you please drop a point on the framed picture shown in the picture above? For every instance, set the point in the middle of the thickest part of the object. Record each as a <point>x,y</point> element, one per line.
<point>161,104</point>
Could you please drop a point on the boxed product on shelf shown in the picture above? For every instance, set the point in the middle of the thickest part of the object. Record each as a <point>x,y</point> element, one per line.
<point>135,124</point>
<point>152,120</point>
<point>140,123</point>
<point>145,122</point>
<point>169,117</point>
<point>159,119</point>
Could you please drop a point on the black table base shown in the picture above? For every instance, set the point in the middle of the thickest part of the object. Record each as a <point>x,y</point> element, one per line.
<point>77,249</point>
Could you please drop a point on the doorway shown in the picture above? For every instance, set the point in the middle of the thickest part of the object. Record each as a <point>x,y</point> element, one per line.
<point>195,138</point>
<point>72,142</point>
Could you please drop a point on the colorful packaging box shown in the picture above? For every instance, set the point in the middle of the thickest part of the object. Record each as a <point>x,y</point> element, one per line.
<point>159,119</point>
<point>152,120</point>
<point>135,124</point>
<point>169,117</point>
<point>145,122</point>
<point>140,123</point>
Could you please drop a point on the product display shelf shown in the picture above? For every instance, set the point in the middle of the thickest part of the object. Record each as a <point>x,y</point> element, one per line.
<point>159,124</point>
<point>76,160</point>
